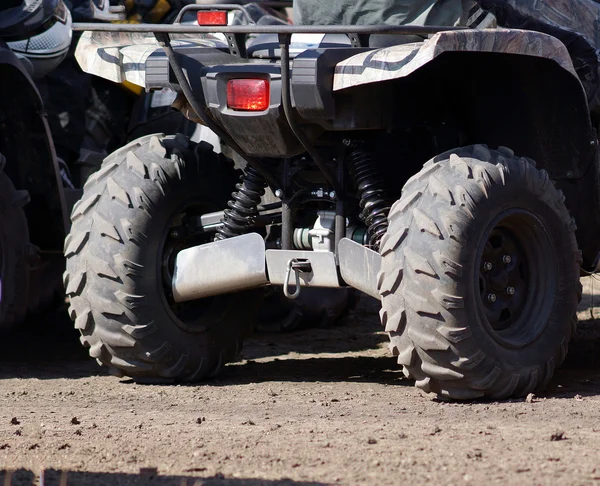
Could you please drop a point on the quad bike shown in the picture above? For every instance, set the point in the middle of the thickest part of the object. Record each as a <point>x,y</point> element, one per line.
<point>455,179</point>
<point>36,190</point>
<point>36,193</point>
<point>33,210</point>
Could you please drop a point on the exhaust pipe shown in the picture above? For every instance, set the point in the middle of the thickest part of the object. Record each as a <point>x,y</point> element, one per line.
<point>220,267</point>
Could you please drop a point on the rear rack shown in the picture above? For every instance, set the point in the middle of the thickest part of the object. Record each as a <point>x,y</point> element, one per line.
<point>236,34</point>
<point>265,29</point>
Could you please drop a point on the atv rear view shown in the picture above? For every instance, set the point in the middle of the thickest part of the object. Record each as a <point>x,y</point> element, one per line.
<point>392,175</point>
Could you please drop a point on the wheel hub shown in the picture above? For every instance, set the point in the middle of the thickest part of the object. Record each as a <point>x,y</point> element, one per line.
<point>503,278</point>
<point>498,278</point>
<point>517,277</point>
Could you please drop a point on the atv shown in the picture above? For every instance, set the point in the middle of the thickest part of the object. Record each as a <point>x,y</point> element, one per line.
<point>36,184</point>
<point>455,179</point>
<point>33,203</point>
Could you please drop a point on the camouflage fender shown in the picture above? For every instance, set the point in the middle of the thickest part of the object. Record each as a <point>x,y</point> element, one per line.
<point>121,56</point>
<point>400,61</point>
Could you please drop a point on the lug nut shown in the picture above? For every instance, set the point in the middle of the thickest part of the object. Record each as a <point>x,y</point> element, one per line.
<point>491,297</point>
<point>278,192</point>
<point>174,234</point>
<point>487,266</point>
<point>506,259</point>
<point>510,290</point>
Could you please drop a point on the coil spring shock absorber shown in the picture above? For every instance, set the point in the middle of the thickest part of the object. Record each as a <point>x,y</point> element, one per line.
<point>371,192</point>
<point>244,205</point>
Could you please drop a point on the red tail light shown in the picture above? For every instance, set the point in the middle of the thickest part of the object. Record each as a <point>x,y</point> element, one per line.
<point>212,17</point>
<point>248,94</point>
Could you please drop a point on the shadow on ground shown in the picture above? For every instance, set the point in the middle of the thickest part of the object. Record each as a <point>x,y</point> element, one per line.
<point>573,383</point>
<point>44,338</point>
<point>360,331</point>
<point>383,370</point>
<point>45,346</point>
<point>24,477</point>
<point>48,347</point>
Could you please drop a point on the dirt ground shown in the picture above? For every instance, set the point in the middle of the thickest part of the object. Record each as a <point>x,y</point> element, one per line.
<point>314,407</point>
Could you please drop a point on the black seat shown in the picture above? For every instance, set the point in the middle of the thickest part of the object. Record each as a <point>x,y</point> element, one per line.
<point>266,46</point>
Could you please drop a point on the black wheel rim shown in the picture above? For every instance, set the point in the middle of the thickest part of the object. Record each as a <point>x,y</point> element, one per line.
<point>181,233</point>
<point>517,278</point>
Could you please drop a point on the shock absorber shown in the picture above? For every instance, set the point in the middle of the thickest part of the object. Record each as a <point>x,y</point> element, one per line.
<point>244,205</point>
<point>371,192</point>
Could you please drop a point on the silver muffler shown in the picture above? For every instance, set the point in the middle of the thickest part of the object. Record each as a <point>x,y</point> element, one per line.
<point>220,267</point>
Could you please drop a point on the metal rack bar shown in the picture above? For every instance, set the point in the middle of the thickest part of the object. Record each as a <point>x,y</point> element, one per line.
<point>266,29</point>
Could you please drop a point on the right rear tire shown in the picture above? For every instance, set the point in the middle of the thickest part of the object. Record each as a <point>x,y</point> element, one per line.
<point>480,275</point>
<point>136,213</point>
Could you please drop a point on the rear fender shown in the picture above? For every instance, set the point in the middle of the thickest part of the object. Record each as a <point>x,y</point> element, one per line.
<point>400,61</point>
<point>503,87</point>
<point>121,56</point>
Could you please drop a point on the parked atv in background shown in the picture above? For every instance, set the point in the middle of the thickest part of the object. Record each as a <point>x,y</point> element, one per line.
<point>34,38</point>
<point>38,116</point>
<point>37,188</point>
<point>393,175</point>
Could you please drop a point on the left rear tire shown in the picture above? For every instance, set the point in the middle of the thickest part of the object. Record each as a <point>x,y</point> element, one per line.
<point>136,213</point>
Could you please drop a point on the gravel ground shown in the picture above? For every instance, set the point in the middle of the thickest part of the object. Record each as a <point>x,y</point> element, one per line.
<point>313,407</point>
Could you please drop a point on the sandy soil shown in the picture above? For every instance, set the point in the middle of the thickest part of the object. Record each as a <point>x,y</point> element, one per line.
<point>313,407</point>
